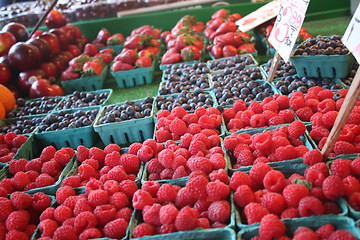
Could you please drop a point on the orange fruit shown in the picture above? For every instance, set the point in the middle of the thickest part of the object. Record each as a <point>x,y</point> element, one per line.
<point>2,112</point>
<point>7,98</point>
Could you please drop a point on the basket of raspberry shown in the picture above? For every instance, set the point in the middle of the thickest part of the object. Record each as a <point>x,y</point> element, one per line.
<point>174,162</point>
<point>234,62</point>
<point>69,128</point>
<point>103,210</point>
<point>271,113</point>
<point>283,69</point>
<point>20,213</point>
<point>179,211</point>
<point>289,191</point>
<point>322,57</point>
<point>127,122</point>
<point>283,144</point>
<point>320,107</point>
<point>321,227</point>
<point>178,123</point>
<point>111,163</point>
<point>43,174</point>
<point>35,106</point>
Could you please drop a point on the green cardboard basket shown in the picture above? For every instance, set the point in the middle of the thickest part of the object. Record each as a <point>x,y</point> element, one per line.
<point>86,83</point>
<point>134,77</point>
<point>71,137</point>
<point>117,48</point>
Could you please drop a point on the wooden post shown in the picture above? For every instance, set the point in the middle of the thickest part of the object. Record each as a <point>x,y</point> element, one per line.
<point>273,68</point>
<point>344,113</point>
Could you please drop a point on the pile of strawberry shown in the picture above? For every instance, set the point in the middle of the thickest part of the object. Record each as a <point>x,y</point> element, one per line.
<point>270,112</point>
<point>272,228</point>
<point>196,152</point>
<point>169,208</point>
<point>280,144</point>
<point>39,172</point>
<point>321,108</point>
<point>223,33</point>
<point>104,38</point>
<point>19,214</point>
<point>265,191</point>
<point>103,165</point>
<point>104,210</point>
<point>183,44</point>
<point>172,125</point>
<point>9,145</point>
<point>91,62</point>
<point>140,49</point>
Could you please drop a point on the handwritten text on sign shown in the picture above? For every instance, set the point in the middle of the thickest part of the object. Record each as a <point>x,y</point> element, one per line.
<point>287,26</point>
<point>351,37</point>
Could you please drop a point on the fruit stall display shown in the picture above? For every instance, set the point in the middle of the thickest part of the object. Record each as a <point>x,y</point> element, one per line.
<point>217,152</point>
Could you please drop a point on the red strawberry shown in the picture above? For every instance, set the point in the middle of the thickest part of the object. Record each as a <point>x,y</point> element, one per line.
<point>226,27</point>
<point>154,43</point>
<point>208,32</point>
<point>190,53</point>
<point>120,66</point>
<point>143,62</point>
<point>244,36</point>
<point>115,39</point>
<point>171,57</point>
<point>234,17</point>
<point>106,57</point>
<point>221,13</point>
<point>229,50</point>
<point>217,51</point>
<point>199,44</point>
<point>246,48</point>
<point>127,56</point>
<point>78,62</point>
<point>108,50</point>
<point>215,23</point>
<point>268,30</point>
<point>69,75</point>
<point>164,34</point>
<point>154,50</point>
<point>198,27</point>
<point>228,39</point>
<point>138,41</point>
<point>92,68</point>
<point>183,40</point>
<point>146,53</point>
<point>103,36</point>
<point>90,50</point>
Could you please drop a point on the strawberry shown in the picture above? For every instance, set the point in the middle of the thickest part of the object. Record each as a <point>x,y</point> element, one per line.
<point>268,30</point>
<point>226,27</point>
<point>244,36</point>
<point>221,13</point>
<point>92,68</point>
<point>246,48</point>
<point>208,32</point>
<point>108,50</point>
<point>90,50</point>
<point>215,23</point>
<point>198,27</point>
<point>199,44</point>
<point>229,50</point>
<point>154,50</point>
<point>154,43</point>
<point>164,34</point>
<point>115,39</point>
<point>143,62</point>
<point>145,53</point>
<point>127,56</point>
<point>190,53</point>
<point>234,17</point>
<point>228,39</point>
<point>184,40</point>
<point>120,66</point>
<point>106,57</point>
<point>103,36</point>
<point>170,58</point>
<point>69,75</point>
<point>169,37</point>
<point>140,29</point>
<point>78,62</point>
<point>138,41</point>
<point>217,51</point>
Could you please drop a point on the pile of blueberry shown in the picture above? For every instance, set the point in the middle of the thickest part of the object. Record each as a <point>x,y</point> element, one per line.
<point>188,100</point>
<point>283,69</point>
<point>291,84</point>
<point>321,45</point>
<point>67,120</point>
<point>21,125</point>
<point>177,84</point>
<point>349,78</point>
<point>234,62</point>
<point>127,111</point>
<point>185,69</point>
<point>32,107</point>
<point>83,99</point>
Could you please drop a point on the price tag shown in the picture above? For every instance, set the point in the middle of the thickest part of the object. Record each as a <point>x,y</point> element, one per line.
<point>351,37</point>
<point>287,26</point>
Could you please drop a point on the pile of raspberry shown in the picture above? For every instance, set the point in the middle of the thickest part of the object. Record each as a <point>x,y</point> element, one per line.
<point>103,165</point>
<point>9,145</point>
<point>270,112</point>
<point>39,172</point>
<point>194,153</point>
<point>104,210</point>
<point>19,214</point>
<point>265,190</point>
<point>271,227</point>
<point>321,107</point>
<point>280,144</point>
<point>172,125</point>
<point>202,203</point>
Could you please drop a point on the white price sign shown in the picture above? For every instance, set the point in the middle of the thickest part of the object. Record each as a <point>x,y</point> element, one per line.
<point>287,26</point>
<point>351,37</point>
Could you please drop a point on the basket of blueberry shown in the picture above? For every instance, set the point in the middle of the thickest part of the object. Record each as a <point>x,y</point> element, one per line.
<point>323,57</point>
<point>235,62</point>
<point>69,128</point>
<point>127,122</point>
<point>21,125</point>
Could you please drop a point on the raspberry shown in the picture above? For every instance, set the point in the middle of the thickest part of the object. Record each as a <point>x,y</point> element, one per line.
<point>274,202</point>
<point>271,227</point>
<point>178,126</point>
<point>285,153</point>
<point>124,213</point>
<point>166,158</point>
<point>44,180</point>
<point>324,94</point>
<point>190,118</point>
<point>217,190</point>
<point>30,229</point>
<point>82,153</point>
<point>166,193</point>
<point>90,233</point>
<point>296,129</point>
<point>283,101</point>
<point>218,161</point>
<point>41,201</point>
<point>63,193</point>
<point>341,234</point>
<point>142,198</point>
<point>9,137</point>
<point>85,220</point>
<point>274,181</point>
<point>240,178</point>
<point>47,214</point>
<point>196,147</point>
<point>145,153</point>
<point>351,185</point>
<point>271,106</point>
<point>258,172</point>
<point>117,173</point>
<point>162,113</point>
<point>130,163</point>
<point>65,233</point>
<point>310,206</point>
<point>151,214</point>
<point>34,165</point>
<point>62,213</point>
<point>254,212</point>
<point>81,206</point>
<point>151,187</point>
<point>297,103</point>
<point>184,198</point>
<point>329,118</point>
<point>17,220</point>
<point>293,193</point>
<point>342,147</point>
<point>151,143</point>
<point>179,112</point>
<point>219,175</point>
<point>197,186</point>
<point>20,180</point>
<point>17,166</point>
<point>257,121</point>
<point>97,154</point>
<point>21,200</point>
<point>331,208</point>
<point>262,141</point>
<point>200,163</point>
<point>312,157</point>
<point>287,115</point>
<point>128,187</point>
<point>219,211</point>
<point>112,148</point>
<point>168,214</point>
<point>243,196</point>
<point>16,235</point>
<point>104,214</point>
<point>71,201</point>
<point>239,105</point>
<point>355,167</point>
<point>333,188</point>
<point>112,159</point>
<point>304,113</point>
<point>187,219</point>
<point>325,231</point>
<point>85,171</point>
<point>143,229</point>
<point>93,184</point>
<point>98,197</point>
<point>290,212</point>
<point>47,154</point>
<point>61,157</point>
<point>134,148</point>
<point>72,181</point>
<point>341,168</point>
<point>51,168</point>
<point>48,227</point>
